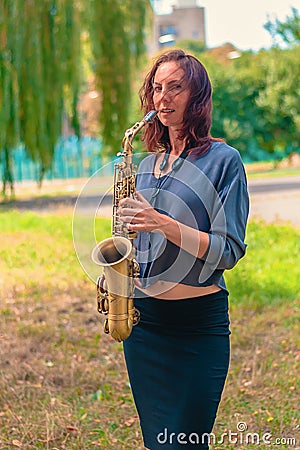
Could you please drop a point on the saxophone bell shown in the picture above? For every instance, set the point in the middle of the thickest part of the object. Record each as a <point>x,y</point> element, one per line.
<point>111,251</point>
<point>115,289</point>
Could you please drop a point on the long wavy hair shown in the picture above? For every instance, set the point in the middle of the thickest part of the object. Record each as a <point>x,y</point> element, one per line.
<point>197,118</point>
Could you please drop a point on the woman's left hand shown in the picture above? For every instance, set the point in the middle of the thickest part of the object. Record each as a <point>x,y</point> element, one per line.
<point>139,215</point>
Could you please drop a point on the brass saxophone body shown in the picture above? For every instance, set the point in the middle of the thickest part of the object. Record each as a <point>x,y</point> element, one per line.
<point>115,287</point>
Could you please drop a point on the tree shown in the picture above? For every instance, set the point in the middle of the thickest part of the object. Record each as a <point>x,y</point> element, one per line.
<point>236,86</point>
<point>39,68</point>
<point>288,31</point>
<point>278,102</point>
<point>116,30</point>
<point>256,101</point>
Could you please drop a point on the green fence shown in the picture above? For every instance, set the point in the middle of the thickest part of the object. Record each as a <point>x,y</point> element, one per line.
<point>73,158</point>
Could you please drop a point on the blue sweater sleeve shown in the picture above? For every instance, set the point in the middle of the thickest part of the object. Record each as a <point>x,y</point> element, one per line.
<point>227,245</point>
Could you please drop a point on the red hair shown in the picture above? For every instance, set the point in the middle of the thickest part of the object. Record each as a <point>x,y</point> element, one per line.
<point>198,114</point>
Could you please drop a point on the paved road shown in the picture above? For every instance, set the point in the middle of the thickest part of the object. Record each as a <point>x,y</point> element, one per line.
<point>276,199</point>
<point>272,199</point>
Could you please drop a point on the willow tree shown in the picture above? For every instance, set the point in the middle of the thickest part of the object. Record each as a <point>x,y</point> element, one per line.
<point>39,70</point>
<point>40,59</point>
<point>117,39</point>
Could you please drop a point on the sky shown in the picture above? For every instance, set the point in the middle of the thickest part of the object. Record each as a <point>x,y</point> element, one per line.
<point>240,22</point>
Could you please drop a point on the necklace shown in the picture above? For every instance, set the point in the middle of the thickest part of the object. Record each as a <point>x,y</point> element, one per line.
<point>175,166</point>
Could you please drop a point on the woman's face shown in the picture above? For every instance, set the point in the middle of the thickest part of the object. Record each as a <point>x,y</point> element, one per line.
<point>170,94</point>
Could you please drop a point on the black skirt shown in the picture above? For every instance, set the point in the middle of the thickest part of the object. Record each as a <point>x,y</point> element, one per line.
<point>177,359</point>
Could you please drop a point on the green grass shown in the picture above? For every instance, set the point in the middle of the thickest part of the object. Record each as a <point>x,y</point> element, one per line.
<point>270,272</point>
<point>271,173</point>
<point>63,383</point>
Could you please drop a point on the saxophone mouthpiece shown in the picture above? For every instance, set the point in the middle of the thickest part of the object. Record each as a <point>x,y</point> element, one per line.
<point>149,117</point>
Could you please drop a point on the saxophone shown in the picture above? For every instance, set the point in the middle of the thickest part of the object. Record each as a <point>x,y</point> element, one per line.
<point>115,287</point>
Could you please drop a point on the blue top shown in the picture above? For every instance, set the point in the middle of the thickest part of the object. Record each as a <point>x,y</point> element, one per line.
<point>207,192</point>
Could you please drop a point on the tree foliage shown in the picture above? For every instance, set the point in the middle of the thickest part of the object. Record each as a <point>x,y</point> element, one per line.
<point>279,102</point>
<point>39,61</point>
<point>288,31</point>
<point>40,70</point>
<point>256,101</point>
<point>116,29</point>
<point>256,98</point>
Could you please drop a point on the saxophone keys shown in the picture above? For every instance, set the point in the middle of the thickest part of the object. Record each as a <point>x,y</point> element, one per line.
<point>103,306</point>
<point>136,316</point>
<point>136,268</point>
<point>102,295</point>
<point>106,327</point>
<point>101,286</point>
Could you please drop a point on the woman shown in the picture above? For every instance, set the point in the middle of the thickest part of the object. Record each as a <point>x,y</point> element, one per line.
<point>190,213</point>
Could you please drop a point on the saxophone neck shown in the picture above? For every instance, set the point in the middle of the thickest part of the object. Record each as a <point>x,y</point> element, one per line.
<point>133,131</point>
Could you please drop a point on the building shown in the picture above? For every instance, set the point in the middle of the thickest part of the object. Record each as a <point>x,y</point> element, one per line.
<point>186,20</point>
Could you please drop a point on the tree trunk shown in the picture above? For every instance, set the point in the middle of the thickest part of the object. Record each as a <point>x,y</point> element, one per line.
<point>7,178</point>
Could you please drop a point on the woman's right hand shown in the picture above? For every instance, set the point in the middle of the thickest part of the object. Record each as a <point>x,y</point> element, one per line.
<point>139,215</point>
